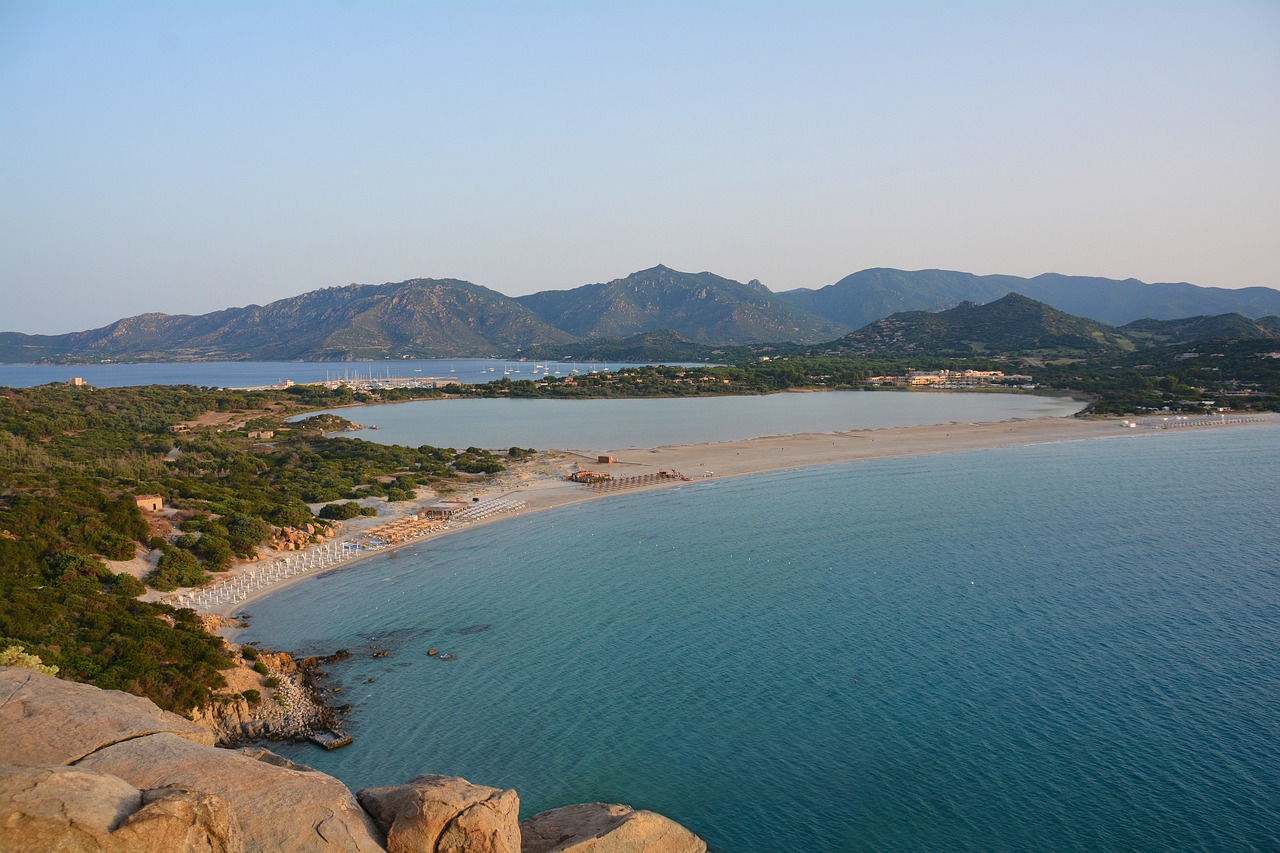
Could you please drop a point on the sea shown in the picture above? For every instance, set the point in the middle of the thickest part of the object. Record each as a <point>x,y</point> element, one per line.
<point>256,374</point>
<point>1062,647</point>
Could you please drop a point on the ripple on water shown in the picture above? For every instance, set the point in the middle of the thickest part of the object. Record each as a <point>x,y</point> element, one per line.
<point>1061,647</point>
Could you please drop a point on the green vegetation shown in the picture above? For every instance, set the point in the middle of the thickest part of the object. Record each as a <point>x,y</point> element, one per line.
<point>15,656</point>
<point>72,461</point>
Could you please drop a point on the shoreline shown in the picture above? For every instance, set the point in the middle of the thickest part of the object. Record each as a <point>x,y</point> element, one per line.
<point>541,486</point>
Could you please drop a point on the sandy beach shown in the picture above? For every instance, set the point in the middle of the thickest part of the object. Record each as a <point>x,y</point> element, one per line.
<point>541,485</point>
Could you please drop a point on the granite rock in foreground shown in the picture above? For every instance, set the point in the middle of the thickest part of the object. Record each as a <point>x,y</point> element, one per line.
<point>606,828</point>
<point>66,808</point>
<point>45,720</point>
<point>99,770</point>
<point>445,813</point>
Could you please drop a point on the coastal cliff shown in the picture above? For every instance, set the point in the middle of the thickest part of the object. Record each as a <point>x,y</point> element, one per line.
<point>89,769</point>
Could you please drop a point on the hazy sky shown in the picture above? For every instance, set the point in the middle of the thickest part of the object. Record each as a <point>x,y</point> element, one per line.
<point>187,156</point>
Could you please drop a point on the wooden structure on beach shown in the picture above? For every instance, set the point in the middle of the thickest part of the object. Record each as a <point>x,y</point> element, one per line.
<point>614,484</point>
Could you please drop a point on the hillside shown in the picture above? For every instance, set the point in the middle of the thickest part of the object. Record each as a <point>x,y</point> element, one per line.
<point>678,316</point>
<point>872,294</point>
<point>701,307</point>
<point>420,318</point>
<point>1013,324</point>
<point>1236,326</point>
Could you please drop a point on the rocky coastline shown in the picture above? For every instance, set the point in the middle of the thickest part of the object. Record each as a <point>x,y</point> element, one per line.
<point>296,709</point>
<point>88,769</point>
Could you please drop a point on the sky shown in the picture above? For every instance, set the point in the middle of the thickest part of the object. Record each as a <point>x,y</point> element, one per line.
<point>184,157</point>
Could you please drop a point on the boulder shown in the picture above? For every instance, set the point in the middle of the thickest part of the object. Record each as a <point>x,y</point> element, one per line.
<point>606,828</point>
<point>46,720</point>
<point>280,805</point>
<point>445,814</point>
<point>70,809</point>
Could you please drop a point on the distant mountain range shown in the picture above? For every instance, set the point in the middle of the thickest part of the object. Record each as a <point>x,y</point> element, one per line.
<point>701,307</point>
<point>650,310</point>
<point>1018,325</point>
<point>873,294</point>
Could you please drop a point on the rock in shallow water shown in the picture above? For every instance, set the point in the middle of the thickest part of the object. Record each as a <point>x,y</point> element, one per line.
<point>606,828</point>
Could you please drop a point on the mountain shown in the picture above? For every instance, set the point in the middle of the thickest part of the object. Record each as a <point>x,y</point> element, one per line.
<point>679,312</point>
<point>1013,324</point>
<point>871,294</point>
<point>1223,326</point>
<point>426,318</point>
<point>701,307</point>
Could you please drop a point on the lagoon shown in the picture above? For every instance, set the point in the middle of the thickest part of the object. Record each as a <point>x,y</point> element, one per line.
<point>607,424</point>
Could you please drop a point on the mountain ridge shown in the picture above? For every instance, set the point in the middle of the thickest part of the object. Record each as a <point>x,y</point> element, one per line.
<point>875,293</point>
<point>452,318</point>
<point>702,307</point>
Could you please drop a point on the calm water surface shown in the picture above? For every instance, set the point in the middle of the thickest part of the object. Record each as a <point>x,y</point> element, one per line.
<point>247,374</point>
<point>1066,647</point>
<point>610,424</point>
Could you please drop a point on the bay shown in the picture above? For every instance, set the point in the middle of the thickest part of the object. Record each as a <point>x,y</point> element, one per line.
<point>1063,647</point>
<point>251,374</point>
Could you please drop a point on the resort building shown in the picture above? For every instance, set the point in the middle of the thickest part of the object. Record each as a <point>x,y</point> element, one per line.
<point>952,378</point>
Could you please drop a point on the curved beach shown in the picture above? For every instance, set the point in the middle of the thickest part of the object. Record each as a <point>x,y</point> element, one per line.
<point>540,484</point>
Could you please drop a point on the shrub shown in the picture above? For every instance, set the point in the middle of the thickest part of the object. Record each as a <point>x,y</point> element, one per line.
<point>254,696</point>
<point>15,656</point>
<point>272,682</point>
<point>127,586</point>
<point>260,668</point>
<point>340,512</point>
<point>176,568</point>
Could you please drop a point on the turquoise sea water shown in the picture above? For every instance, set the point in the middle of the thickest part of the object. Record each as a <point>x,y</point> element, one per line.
<point>1065,647</point>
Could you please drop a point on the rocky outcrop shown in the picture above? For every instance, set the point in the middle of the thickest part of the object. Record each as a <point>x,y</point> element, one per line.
<point>45,720</point>
<point>279,807</point>
<point>297,538</point>
<point>445,814</point>
<point>68,808</point>
<point>83,769</point>
<point>606,828</point>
